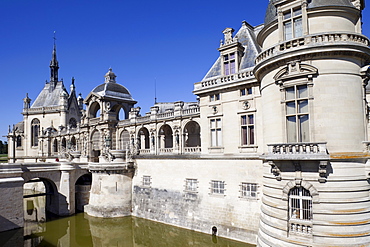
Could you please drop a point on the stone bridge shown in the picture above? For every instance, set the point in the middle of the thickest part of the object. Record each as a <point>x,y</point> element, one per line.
<point>60,179</point>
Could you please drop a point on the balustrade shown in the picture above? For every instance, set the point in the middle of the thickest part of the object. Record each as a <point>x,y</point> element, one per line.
<point>224,79</point>
<point>192,149</point>
<point>166,150</point>
<point>318,39</point>
<point>302,149</point>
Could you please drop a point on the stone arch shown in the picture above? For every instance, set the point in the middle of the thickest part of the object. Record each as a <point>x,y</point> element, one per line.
<point>73,143</point>
<point>191,134</point>
<point>94,109</point>
<point>64,143</point>
<point>165,136</point>
<point>120,111</point>
<point>290,185</point>
<point>143,138</point>
<point>52,197</point>
<point>95,145</point>
<point>55,145</point>
<point>124,139</point>
<point>35,131</point>
<point>82,191</point>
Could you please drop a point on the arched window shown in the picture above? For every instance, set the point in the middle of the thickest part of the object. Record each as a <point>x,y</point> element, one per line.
<point>300,211</point>
<point>35,131</point>
<point>72,123</point>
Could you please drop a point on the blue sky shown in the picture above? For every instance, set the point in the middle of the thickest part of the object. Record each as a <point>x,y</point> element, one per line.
<point>171,42</point>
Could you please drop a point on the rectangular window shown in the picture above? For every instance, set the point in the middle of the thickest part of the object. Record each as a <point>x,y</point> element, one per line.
<point>216,133</point>
<point>248,190</point>
<point>297,115</point>
<point>245,91</point>
<point>191,185</point>
<point>247,127</point>
<point>147,181</point>
<point>292,22</point>
<point>218,187</point>
<point>214,97</point>
<point>229,64</point>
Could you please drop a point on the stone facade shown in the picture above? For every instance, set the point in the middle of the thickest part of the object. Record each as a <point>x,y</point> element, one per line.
<point>275,151</point>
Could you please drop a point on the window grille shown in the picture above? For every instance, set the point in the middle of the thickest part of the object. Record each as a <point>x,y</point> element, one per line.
<point>218,187</point>
<point>300,211</point>
<point>249,190</point>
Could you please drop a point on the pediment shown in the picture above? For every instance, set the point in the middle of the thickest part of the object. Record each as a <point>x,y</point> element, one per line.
<point>293,70</point>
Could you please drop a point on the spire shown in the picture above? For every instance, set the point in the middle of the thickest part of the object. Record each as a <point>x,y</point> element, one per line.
<point>54,66</point>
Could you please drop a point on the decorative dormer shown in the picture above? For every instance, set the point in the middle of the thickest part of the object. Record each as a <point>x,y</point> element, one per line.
<point>231,52</point>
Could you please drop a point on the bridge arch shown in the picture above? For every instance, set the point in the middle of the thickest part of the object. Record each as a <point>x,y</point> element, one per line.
<point>34,189</point>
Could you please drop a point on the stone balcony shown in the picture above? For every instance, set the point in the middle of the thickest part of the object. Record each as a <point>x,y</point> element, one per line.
<point>297,151</point>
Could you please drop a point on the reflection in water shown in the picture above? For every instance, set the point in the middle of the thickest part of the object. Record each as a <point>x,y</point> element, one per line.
<point>83,230</point>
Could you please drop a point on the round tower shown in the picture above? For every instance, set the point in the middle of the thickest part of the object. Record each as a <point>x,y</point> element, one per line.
<point>314,110</point>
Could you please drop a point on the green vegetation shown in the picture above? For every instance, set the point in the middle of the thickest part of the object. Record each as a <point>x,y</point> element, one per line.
<point>3,158</point>
<point>3,147</point>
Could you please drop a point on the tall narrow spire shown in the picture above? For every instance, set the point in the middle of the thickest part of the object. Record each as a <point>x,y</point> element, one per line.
<point>54,66</point>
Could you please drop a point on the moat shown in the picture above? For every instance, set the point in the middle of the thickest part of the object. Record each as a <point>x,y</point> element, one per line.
<point>83,230</point>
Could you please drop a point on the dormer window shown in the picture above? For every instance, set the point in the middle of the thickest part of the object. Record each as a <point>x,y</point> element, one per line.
<point>292,22</point>
<point>229,63</point>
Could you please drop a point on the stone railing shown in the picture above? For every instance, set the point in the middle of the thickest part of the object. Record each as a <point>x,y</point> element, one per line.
<point>191,111</point>
<point>319,39</point>
<point>144,151</point>
<point>166,150</point>
<point>192,150</point>
<point>299,150</point>
<point>300,227</point>
<point>224,79</point>
<point>165,114</point>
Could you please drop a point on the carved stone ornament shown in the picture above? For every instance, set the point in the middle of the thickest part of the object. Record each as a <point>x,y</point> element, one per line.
<point>275,170</point>
<point>293,70</point>
<point>246,105</point>
<point>215,111</point>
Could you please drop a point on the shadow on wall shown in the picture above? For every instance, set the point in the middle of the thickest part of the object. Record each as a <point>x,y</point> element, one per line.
<point>11,238</point>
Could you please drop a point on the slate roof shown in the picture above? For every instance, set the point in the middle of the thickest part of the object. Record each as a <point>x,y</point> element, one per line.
<point>49,97</point>
<point>247,37</point>
<point>271,14</point>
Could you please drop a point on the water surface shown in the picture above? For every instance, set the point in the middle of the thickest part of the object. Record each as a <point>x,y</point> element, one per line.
<point>82,230</point>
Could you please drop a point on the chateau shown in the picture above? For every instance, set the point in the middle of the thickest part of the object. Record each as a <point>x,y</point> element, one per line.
<point>275,152</point>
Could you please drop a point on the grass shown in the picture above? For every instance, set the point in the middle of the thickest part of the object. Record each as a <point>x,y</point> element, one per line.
<point>3,158</point>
